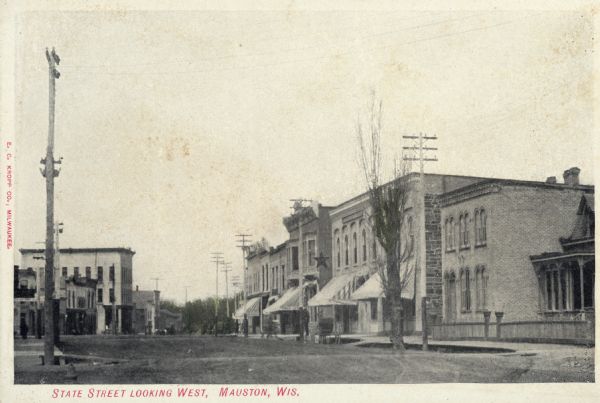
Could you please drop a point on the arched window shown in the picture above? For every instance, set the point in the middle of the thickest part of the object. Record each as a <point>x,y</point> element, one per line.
<point>482,227</point>
<point>355,247</point>
<point>461,230</point>
<point>346,250</point>
<point>466,228</point>
<point>337,248</point>
<point>477,228</point>
<point>451,229</point>
<point>374,248</point>
<point>481,280</point>
<point>364,245</point>
<point>411,235</point>
<point>465,290</point>
<point>451,296</point>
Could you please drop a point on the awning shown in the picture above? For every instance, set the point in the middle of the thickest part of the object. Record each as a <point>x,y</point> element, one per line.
<point>336,292</point>
<point>288,302</point>
<point>251,308</point>
<point>373,288</point>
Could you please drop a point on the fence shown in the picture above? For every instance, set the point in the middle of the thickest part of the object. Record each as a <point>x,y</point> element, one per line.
<point>569,331</point>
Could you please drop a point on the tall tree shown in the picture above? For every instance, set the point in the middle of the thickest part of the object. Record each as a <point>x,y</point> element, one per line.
<point>388,198</point>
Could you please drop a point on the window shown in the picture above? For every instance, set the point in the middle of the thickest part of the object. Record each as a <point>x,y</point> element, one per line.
<point>64,272</point>
<point>111,273</point>
<point>374,249</point>
<point>282,276</point>
<point>411,235</point>
<point>337,248</point>
<point>464,230</point>
<point>273,278</point>
<point>465,290</point>
<point>311,253</point>
<point>354,248</point>
<point>373,309</point>
<point>452,232</point>
<point>346,250</point>
<point>100,274</point>
<point>481,280</point>
<point>480,230</point>
<point>100,295</point>
<point>76,272</point>
<point>450,296</point>
<point>482,227</point>
<point>111,295</point>
<point>88,272</point>
<point>294,258</point>
<point>364,245</point>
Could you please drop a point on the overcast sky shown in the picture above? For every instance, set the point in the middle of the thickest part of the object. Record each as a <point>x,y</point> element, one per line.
<point>179,129</point>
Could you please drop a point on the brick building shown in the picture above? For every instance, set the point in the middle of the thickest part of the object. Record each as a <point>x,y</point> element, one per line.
<point>356,250</point>
<point>112,268</point>
<point>491,231</point>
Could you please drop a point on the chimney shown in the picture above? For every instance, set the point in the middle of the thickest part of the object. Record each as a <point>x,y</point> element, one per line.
<point>571,176</point>
<point>551,180</point>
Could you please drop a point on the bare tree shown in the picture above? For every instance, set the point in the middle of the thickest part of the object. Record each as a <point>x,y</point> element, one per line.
<point>388,197</point>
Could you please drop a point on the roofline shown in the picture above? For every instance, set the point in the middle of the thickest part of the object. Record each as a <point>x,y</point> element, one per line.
<point>483,179</point>
<point>81,250</point>
<point>542,258</point>
<point>514,182</point>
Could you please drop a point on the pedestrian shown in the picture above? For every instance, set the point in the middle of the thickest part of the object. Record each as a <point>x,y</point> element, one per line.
<point>245,325</point>
<point>24,329</point>
<point>305,321</point>
<point>269,326</point>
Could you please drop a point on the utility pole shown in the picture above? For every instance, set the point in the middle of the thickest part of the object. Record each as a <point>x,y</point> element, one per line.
<point>50,173</point>
<point>298,209</point>
<point>185,309</point>
<point>156,299</point>
<point>243,243</point>
<point>57,276</point>
<point>186,297</point>
<point>217,258</point>
<point>226,270</point>
<point>422,255</point>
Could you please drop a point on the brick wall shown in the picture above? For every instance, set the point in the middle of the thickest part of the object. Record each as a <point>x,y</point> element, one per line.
<point>433,258</point>
<point>521,221</point>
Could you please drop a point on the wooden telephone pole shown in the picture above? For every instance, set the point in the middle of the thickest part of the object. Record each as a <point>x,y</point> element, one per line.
<point>49,172</point>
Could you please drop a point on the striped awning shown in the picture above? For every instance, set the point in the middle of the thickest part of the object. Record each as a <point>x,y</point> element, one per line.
<point>287,302</point>
<point>251,308</point>
<point>336,292</point>
<point>373,288</point>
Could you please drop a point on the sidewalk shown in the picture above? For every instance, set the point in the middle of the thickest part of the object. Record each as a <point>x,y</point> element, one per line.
<point>514,348</point>
<point>27,352</point>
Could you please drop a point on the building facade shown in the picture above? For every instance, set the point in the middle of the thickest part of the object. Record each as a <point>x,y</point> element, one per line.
<point>146,311</point>
<point>111,268</point>
<point>493,231</point>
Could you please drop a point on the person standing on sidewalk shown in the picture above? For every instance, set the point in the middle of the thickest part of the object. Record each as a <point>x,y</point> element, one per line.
<point>245,325</point>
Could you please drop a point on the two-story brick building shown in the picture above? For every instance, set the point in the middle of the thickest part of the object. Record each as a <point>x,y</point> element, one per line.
<point>495,229</point>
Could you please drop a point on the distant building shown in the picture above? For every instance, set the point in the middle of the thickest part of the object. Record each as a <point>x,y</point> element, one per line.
<point>146,312</point>
<point>111,268</point>
<point>80,305</point>
<point>26,305</point>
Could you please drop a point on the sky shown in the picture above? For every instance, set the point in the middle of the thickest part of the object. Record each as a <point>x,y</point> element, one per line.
<point>180,129</point>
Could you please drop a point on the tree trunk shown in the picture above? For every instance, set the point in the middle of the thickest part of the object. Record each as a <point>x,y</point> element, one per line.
<point>393,294</point>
